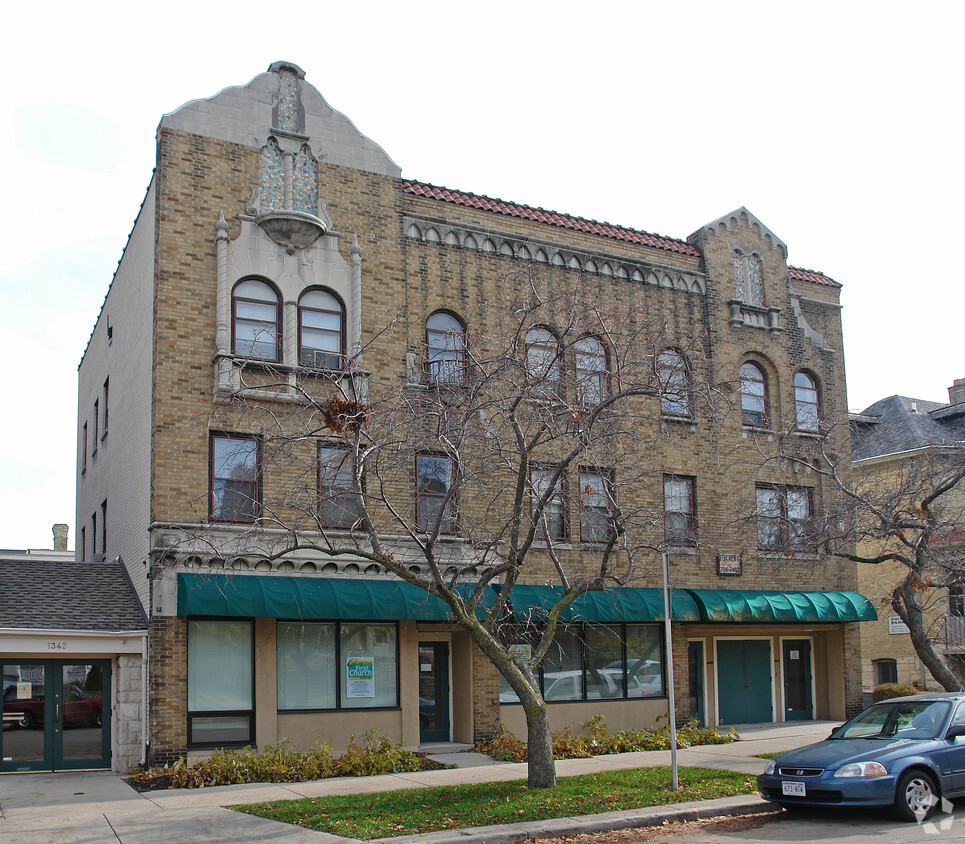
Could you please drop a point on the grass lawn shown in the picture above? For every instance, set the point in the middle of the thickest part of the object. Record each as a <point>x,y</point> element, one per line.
<point>416,810</point>
<point>769,755</point>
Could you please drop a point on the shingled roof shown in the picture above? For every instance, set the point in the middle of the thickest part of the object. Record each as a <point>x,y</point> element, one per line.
<point>580,224</point>
<point>897,424</point>
<point>67,595</point>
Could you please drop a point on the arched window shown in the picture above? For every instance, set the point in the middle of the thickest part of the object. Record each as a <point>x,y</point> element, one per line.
<point>753,395</point>
<point>674,378</point>
<point>591,370</point>
<point>806,402</point>
<point>256,329</point>
<point>445,348</point>
<point>543,363</point>
<point>321,330</point>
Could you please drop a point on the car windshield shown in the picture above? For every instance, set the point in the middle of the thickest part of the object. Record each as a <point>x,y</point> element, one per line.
<point>904,720</point>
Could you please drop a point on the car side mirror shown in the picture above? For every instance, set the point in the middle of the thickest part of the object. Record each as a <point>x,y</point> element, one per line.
<point>955,732</point>
<point>833,731</point>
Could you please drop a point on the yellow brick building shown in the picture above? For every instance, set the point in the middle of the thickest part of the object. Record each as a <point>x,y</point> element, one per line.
<point>272,243</point>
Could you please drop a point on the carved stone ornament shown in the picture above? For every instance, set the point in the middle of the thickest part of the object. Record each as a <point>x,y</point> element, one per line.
<point>291,229</point>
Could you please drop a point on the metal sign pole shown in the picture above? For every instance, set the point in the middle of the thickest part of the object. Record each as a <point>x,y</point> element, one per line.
<point>671,703</point>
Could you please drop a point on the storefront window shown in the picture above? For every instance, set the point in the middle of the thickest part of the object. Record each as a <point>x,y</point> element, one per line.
<point>306,665</point>
<point>563,668</point>
<point>369,666</point>
<point>604,662</point>
<point>219,682</point>
<point>644,661</point>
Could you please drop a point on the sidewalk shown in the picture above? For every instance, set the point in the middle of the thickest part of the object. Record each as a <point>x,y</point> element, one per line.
<point>97,807</point>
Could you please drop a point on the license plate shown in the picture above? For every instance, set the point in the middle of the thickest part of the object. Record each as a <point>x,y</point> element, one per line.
<point>793,789</point>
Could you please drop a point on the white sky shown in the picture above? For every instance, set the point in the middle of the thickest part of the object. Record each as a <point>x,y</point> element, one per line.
<point>837,124</point>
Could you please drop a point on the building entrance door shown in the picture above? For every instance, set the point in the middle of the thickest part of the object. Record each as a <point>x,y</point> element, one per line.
<point>433,692</point>
<point>798,705</point>
<point>56,715</point>
<point>695,675</point>
<point>744,681</point>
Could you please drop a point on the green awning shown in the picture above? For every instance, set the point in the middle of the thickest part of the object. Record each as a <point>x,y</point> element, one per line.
<point>738,605</point>
<point>279,596</point>
<point>615,604</point>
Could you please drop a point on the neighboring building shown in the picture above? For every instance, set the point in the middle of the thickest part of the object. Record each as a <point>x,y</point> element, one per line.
<point>887,438</point>
<point>273,233</point>
<point>73,638</point>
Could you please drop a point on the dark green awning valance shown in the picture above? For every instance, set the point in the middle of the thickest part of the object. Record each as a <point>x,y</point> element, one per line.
<point>272,596</point>
<point>738,605</point>
<point>616,604</point>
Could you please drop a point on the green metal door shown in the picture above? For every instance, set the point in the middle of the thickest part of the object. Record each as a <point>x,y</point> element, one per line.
<point>56,715</point>
<point>433,692</point>
<point>744,681</point>
<point>798,705</point>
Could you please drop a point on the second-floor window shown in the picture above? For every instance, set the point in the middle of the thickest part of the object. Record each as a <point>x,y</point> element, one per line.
<point>435,476</point>
<point>552,520</point>
<point>445,348</point>
<point>338,503</point>
<point>321,330</point>
<point>235,481</point>
<point>256,322</point>
<point>679,510</point>
<point>783,518</point>
<point>596,505</point>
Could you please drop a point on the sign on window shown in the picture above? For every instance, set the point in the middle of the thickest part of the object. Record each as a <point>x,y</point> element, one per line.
<point>360,676</point>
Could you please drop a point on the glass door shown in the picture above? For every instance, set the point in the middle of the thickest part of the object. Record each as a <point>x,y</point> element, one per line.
<point>433,691</point>
<point>55,715</point>
<point>798,705</point>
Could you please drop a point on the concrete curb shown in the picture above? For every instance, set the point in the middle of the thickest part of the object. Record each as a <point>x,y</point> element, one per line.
<point>557,827</point>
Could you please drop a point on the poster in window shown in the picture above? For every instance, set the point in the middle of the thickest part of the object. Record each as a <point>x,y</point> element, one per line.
<point>359,676</point>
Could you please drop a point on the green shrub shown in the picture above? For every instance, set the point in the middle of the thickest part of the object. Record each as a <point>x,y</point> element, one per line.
<point>886,691</point>
<point>279,763</point>
<point>596,741</point>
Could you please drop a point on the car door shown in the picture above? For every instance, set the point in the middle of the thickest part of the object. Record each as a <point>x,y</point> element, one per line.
<point>951,758</point>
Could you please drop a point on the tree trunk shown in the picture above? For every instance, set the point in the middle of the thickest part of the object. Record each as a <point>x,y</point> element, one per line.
<point>539,747</point>
<point>907,603</point>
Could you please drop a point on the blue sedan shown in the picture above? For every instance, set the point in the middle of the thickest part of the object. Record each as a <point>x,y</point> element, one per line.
<point>908,753</point>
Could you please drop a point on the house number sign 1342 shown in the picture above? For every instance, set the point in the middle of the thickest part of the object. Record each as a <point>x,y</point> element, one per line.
<point>56,646</point>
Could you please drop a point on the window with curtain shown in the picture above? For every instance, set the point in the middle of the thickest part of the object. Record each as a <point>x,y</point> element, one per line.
<point>321,330</point>
<point>553,517</point>
<point>220,687</point>
<point>596,512</point>
<point>679,510</point>
<point>234,478</point>
<point>753,390</point>
<point>592,375</point>
<point>369,670</point>
<point>256,326</point>
<point>307,670</point>
<point>445,348</point>
<point>543,363</point>
<point>338,504</point>
<point>783,518</point>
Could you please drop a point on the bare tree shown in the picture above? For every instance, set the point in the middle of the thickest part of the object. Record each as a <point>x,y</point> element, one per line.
<point>910,512</point>
<point>458,472</point>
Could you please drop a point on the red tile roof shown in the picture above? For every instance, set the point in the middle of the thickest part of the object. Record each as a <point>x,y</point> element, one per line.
<point>580,224</point>
<point>540,215</point>
<point>797,274</point>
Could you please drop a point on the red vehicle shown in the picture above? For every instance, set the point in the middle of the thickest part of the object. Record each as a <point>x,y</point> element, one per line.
<point>79,708</point>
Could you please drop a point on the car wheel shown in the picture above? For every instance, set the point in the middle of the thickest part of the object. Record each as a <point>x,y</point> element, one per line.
<point>26,720</point>
<point>916,797</point>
